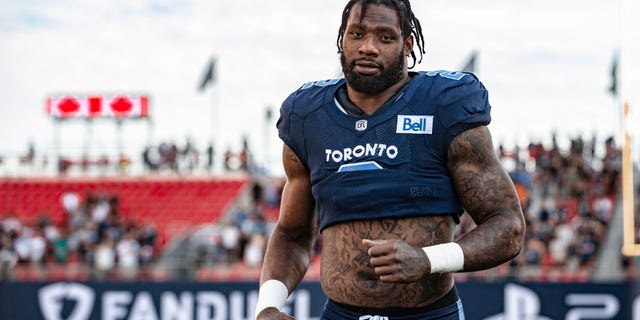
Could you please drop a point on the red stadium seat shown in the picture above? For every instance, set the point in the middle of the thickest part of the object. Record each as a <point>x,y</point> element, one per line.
<point>173,204</point>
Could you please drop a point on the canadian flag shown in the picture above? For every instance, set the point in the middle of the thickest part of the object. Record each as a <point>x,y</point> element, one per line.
<point>95,106</point>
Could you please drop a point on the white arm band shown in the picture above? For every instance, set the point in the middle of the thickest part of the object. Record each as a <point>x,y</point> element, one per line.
<point>446,257</point>
<point>273,293</point>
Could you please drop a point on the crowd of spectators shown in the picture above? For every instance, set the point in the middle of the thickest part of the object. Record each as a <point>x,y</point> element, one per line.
<point>568,198</point>
<point>162,157</point>
<point>169,157</point>
<point>239,240</point>
<point>94,237</point>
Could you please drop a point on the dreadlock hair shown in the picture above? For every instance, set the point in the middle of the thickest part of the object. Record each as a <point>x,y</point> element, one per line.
<point>409,24</point>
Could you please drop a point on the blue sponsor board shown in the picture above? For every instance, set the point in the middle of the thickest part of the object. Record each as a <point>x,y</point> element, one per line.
<point>236,300</point>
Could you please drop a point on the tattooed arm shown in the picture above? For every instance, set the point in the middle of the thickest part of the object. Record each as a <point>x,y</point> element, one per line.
<point>488,195</point>
<point>290,245</point>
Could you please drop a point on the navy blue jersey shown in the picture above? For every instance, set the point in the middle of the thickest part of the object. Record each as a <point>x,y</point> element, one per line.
<point>388,164</point>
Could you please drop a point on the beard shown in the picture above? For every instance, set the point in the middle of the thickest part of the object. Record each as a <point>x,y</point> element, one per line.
<point>373,84</point>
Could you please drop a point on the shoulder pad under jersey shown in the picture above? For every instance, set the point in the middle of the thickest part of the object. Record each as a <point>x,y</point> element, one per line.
<point>297,106</point>
<point>463,102</point>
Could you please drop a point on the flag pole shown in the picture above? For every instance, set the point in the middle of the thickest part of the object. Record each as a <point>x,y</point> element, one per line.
<point>470,64</point>
<point>215,111</point>
<point>209,78</point>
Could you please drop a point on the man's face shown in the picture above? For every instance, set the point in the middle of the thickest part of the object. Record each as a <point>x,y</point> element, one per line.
<point>374,53</point>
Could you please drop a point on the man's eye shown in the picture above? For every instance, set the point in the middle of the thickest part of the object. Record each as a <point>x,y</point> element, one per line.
<point>357,34</point>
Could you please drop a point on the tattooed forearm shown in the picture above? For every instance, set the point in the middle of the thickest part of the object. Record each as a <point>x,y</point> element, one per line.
<point>489,196</point>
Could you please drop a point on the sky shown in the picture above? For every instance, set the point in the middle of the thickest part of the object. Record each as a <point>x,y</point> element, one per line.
<point>545,63</point>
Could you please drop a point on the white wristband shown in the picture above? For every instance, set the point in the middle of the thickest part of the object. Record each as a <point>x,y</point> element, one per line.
<point>445,257</point>
<point>273,293</point>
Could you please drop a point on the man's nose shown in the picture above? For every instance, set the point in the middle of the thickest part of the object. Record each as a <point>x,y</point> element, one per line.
<point>368,46</point>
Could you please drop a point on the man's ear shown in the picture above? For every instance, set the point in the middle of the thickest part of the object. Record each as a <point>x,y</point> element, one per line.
<point>408,45</point>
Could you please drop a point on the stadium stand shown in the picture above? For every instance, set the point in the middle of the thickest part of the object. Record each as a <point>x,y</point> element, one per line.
<point>163,200</point>
<point>56,227</point>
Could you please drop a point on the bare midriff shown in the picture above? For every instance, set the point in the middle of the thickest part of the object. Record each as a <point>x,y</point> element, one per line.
<point>347,277</point>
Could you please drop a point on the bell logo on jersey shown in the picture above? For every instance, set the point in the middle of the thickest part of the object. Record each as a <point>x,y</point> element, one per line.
<point>414,124</point>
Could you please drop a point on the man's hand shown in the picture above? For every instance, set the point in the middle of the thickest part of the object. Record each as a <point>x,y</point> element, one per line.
<point>273,313</point>
<point>396,260</point>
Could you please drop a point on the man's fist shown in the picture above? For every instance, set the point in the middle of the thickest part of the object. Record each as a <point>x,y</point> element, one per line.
<point>396,260</point>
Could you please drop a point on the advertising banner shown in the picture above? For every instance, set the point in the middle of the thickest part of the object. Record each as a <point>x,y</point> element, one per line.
<point>236,300</point>
<point>98,106</point>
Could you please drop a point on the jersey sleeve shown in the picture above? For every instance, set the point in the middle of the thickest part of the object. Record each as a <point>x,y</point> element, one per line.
<point>463,104</point>
<point>290,128</point>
